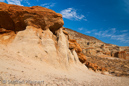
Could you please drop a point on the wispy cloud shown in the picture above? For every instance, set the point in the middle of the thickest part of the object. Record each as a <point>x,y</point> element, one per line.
<point>71,13</point>
<point>2,0</point>
<point>112,33</point>
<point>124,31</point>
<point>16,2</point>
<point>122,38</point>
<point>94,30</point>
<point>88,31</point>
<point>126,4</point>
<point>80,28</point>
<point>48,5</point>
<point>106,33</point>
<point>113,30</point>
<point>98,33</point>
<point>26,1</point>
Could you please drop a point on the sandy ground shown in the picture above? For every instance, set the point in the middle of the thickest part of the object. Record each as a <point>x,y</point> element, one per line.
<point>14,66</point>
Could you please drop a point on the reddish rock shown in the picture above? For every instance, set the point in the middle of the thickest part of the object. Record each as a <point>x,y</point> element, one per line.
<point>107,53</point>
<point>82,57</point>
<point>122,54</point>
<point>95,67</point>
<point>74,45</point>
<point>103,69</point>
<point>114,54</point>
<point>92,66</point>
<point>127,56</point>
<point>16,18</point>
<point>72,40</point>
<point>65,32</point>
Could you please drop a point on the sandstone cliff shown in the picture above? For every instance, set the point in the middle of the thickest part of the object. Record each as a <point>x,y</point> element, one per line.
<point>34,45</point>
<point>36,32</point>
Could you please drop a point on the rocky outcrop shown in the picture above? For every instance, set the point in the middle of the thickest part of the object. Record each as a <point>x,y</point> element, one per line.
<point>17,18</point>
<point>122,54</point>
<point>42,28</point>
<point>37,33</point>
<point>95,47</point>
<point>127,55</point>
<point>115,66</point>
<point>101,56</point>
<point>73,45</point>
<point>95,67</point>
<point>43,54</point>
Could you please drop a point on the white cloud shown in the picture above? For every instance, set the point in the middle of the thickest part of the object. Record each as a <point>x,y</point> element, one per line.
<point>16,2</point>
<point>48,5</point>
<point>88,32</point>
<point>94,30</point>
<point>126,4</point>
<point>113,30</point>
<point>121,38</point>
<point>106,33</point>
<point>71,13</point>
<point>26,1</point>
<point>80,29</point>
<point>2,0</point>
<point>112,33</point>
<point>98,33</point>
<point>124,31</point>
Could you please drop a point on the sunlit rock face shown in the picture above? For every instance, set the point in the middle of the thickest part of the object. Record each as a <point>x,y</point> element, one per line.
<point>36,32</point>
<point>92,46</point>
<point>13,17</point>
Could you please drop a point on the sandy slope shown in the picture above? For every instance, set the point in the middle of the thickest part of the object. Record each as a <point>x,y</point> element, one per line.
<point>14,66</point>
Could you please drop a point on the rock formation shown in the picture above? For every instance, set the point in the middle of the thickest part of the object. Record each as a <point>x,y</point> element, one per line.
<point>34,45</point>
<point>74,46</point>
<point>95,47</point>
<point>36,32</point>
<point>101,56</point>
<point>42,27</point>
<point>17,18</point>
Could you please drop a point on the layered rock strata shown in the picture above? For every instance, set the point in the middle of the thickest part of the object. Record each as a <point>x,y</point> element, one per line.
<point>36,32</point>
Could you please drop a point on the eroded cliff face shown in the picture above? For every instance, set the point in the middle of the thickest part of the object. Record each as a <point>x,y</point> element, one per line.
<point>101,56</point>
<point>36,32</point>
<point>35,46</point>
<point>95,47</point>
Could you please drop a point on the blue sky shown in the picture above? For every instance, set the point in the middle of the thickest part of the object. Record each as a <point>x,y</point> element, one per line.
<point>107,20</point>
